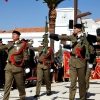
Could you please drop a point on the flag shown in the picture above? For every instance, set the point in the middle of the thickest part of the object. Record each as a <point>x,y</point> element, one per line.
<point>6,0</point>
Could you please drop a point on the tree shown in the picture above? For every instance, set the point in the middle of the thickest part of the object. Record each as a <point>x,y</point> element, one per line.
<point>52,5</point>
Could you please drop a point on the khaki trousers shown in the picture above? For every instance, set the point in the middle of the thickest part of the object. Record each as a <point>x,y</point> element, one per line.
<point>40,74</point>
<point>19,79</point>
<point>80,72</point>
<point>88,74</point>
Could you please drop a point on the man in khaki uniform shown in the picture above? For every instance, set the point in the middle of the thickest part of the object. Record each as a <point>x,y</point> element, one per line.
<point>17,56</point>
<point>88,70</point>
<point>77,62</point>
<point>88,74</point>
<point>43,68</point>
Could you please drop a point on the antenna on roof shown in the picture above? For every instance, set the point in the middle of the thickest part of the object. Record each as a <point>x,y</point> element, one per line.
<point>15,27</point>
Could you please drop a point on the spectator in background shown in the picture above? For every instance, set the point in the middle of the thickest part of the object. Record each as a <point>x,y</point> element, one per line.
<point>55,69</point>
<point>61,74</point>
<point>34,71</point>
<point>31,58</point>
<point>31,54</point>
<point>3,58</point>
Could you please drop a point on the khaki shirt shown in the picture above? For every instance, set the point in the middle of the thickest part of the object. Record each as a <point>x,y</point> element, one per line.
<point>40,58</point>
<point>19,57</point>
<point>78,62</point>
<point>98,39</point>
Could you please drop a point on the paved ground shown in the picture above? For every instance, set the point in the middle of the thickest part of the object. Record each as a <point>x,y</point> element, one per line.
<point>60,91</point>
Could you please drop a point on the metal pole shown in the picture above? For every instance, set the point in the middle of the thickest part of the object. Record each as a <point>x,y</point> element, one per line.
<point>75,11</point>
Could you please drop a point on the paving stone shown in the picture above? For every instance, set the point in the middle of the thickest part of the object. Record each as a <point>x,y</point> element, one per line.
<point>60,91</point>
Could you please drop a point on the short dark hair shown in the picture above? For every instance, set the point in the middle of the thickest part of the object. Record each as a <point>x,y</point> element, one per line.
<point>17,32</point>
<point>78,26</point>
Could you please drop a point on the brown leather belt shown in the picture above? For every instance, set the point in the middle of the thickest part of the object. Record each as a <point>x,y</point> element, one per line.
<point>75,55</point>
<point>40,62</point>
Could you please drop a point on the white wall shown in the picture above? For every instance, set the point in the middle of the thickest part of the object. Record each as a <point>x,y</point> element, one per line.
<point>91,26</point>
<point>98,24</point>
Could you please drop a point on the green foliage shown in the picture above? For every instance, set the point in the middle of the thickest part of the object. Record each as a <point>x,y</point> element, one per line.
<point>56,2</point>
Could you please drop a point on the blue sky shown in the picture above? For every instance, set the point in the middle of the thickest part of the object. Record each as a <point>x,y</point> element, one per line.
<point>30,13</point>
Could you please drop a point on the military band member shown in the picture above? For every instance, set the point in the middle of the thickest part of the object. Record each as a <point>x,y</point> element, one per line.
<point>43,68</point>
<point>17,57</point>
<point>77,61</point>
